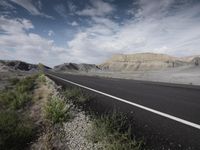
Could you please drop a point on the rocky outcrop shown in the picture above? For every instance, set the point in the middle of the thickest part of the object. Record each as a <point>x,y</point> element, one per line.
<point>73,67</point>
<point>145,62</point>
<point>18,65</point>
<point>196,61</point>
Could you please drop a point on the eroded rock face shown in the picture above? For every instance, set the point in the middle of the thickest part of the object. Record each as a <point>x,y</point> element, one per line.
<point>18,65</point>
<point>196,61</point>
<point>76,67</point>
<point>144,62</point>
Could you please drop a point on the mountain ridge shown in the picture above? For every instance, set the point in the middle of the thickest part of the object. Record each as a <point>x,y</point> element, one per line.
<point>11,65</point>
<point>147,61</point>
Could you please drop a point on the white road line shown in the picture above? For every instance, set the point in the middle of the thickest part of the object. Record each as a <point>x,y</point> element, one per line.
<point>134,104</point>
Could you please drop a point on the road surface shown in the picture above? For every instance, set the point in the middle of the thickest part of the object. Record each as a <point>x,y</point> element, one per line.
<point>163,110</point>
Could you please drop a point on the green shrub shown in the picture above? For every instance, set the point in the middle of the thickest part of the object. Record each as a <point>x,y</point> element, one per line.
<point>57,110</point>
<point>20,100</point>
<point>14,81</point>
<point>82,98</point>
<point>6,97</point>
<point>15,133</point>
<point>42,78</point>
<point>76,95</point>
<point>113,131</point>
<point>13,99</point>
<point>72,93</point>
<point>19,95</point>
<point>15,130</point>
<point>25,85</point>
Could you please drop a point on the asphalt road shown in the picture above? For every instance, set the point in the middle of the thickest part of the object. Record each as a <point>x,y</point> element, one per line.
<point>179,101</point>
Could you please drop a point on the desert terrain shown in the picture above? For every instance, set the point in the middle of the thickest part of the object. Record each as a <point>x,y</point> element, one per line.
<point>142,66</point>
<point>73,128</point>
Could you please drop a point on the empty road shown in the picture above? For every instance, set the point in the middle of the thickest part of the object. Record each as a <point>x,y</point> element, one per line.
<point>161,109</point>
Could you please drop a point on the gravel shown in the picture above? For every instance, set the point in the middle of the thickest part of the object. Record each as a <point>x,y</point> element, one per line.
<point>73,133</point>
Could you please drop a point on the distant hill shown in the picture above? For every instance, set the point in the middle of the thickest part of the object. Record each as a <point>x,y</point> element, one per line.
<point>10,65</point>
<point>146,61</point>
<point>73,67</point>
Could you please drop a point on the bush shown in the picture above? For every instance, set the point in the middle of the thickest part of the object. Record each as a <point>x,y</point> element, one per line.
<point>6,98</point>
<point>57,110</point>
<point>14,81</point>
<point>20,100</point>
<point>15,133</point>
<point>42,78</point>
<point>76,95</point>
<point>17,97</point>
<point>72,93</point>
<point>13,99</point>
<point>82,98</point>
<point>114,132</point>
<point>15,130</point>
<point>26,85</point>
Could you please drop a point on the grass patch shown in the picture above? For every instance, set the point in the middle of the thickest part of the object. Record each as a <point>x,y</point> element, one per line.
<point>14,99</point>
<point>14,81</point>
<point>26,85</point>
<point>114,132</point>
<point>42,78</point>
<point>76,95</point>
<point>15,132</point>
<point>19,95</point>
<point>57,110</point>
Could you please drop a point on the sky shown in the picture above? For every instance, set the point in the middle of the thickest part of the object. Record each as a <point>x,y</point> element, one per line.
<point>91,31</point>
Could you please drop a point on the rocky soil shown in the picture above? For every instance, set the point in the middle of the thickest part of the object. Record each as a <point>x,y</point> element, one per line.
<point>70,135</point>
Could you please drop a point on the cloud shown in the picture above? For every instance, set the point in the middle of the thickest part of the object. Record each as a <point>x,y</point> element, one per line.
<point>74,23</point>
<point>154,8</point>
<point>6,5</point>
<point>39,4</point>
<point>28,5</point>
<point>97,8</point>
<point>61,10</point>
<point>172,29</point>
<point>159,31</point>
<point>50,33</point>
<point>17,43</point>
<point>72,8</point>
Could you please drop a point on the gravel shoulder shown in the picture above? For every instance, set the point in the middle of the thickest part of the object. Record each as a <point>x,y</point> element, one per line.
<point>70,134</point>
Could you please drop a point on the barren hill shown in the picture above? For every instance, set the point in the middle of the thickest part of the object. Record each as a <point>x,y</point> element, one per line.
<point>10,65</point>
<point>146,61</point>
<point>73,67</point>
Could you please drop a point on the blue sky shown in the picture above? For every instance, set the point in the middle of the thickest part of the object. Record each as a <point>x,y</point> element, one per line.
<point>90,31</point>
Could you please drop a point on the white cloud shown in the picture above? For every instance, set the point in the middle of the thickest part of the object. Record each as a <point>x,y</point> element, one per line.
<point>154,8</point>
<point>174,32</point>
<point>39,4</point>
<point>6,4</point>
<point>72,8</point>
<point>28,5</point>
<point>50,33</point>
<point>17,43</point>
<point>74,23</point>
<point>158,31</point>
<point>61,10</point>
<point>97,8</point>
